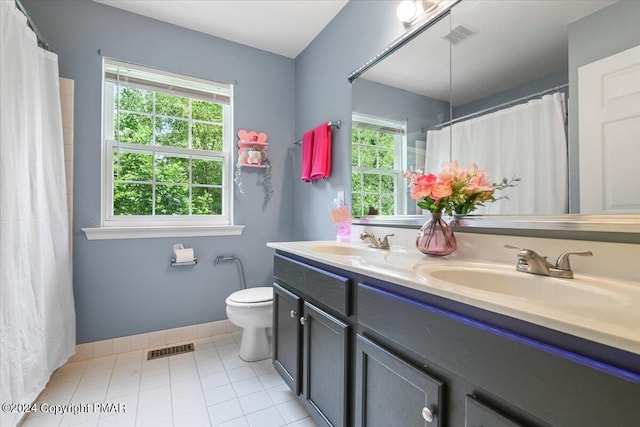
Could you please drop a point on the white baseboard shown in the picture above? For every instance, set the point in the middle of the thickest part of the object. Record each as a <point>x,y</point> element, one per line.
<point>152,340</point>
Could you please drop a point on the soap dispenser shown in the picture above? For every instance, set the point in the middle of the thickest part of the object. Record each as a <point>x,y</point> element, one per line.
<point>341,217</point>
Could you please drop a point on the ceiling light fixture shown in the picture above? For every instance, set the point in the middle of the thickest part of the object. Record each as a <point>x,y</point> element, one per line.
<point>412,11</point>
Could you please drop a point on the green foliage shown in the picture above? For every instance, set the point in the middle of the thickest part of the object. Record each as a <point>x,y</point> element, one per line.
<point>357,206</point>
<point>207,201</point>
<point>172,200</point>
<point>132,199</point>
<point>371,183</point>
<point>131,99</point>
<point>207,172</point>
<point>207,136</point>
<point>169,105</point>
<point>387,184</point>
<point>387,204</point>
<point>132,166</point>
<point>185,185</point>
<point>206,111</point>
<point>132,127</point>
<point>172,170</point>
<point>356,182</point>
<point>172,132</point>
<point>386,159</point>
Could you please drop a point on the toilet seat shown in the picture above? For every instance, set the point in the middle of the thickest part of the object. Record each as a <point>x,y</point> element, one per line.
<point>251,297</point>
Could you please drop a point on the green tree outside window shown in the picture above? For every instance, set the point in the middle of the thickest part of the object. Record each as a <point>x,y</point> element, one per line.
<point>165,183</point>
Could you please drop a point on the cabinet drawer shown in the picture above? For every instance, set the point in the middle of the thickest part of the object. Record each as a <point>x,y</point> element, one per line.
<point>325,288</point>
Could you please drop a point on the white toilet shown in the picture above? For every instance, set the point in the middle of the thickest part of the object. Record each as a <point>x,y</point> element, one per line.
<point>252,310</point>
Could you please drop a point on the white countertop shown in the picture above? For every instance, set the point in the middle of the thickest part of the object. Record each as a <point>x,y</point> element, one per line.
<point>610,316</point>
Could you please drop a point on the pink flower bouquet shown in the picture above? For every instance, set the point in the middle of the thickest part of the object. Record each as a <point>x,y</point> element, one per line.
<point>455,189</point>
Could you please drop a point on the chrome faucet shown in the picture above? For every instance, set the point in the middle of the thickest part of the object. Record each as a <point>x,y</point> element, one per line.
<point>374,242</point>
<point>530,262</point>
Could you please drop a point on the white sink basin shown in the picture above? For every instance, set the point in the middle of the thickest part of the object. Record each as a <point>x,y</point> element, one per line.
<point>550,290</point>
<point>344,249</point>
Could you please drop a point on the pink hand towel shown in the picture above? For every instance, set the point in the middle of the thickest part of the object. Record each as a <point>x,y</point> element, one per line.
<point>321,165</point>
<point>307,156</point>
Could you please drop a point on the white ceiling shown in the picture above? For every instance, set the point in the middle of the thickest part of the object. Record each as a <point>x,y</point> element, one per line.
<point>284,27</point>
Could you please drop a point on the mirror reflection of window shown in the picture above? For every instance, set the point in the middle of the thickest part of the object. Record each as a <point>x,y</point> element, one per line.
<point>377,153</point>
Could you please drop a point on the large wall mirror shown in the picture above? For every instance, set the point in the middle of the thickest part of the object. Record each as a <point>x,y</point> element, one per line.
<point>546,91</point>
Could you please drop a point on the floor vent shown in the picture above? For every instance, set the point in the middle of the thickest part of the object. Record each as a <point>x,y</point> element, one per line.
<point>170,351</point>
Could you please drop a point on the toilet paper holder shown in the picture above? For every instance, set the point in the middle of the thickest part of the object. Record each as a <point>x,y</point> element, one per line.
<point>183,256</point>
<point>178,264</point>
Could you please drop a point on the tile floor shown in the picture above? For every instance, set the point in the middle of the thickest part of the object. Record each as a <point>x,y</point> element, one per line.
<point>211,386</point>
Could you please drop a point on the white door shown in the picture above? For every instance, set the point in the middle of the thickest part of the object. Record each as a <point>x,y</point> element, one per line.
<point>609,134</point>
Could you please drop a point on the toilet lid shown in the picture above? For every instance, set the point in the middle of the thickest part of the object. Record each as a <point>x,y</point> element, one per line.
<point>252,295</point>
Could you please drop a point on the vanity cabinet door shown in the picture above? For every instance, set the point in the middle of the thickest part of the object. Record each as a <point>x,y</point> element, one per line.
<point>391,392</point>
<point>477,414</point>
<point>325,365</point>
<point>287,334</point>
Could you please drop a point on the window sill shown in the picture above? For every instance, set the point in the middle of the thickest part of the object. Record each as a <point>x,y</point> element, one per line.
<point>110,233</point>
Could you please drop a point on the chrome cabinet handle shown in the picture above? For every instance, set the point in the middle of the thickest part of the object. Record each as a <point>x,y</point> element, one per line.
<point>302,320</point>
<point>292,314</point>
<point>427,414</point>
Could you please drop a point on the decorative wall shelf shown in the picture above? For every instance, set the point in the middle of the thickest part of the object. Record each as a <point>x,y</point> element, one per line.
<point>252,153</point>
<point>253,146</point>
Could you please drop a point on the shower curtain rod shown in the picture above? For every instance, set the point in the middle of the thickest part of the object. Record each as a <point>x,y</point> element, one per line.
<point>504,104</point>
<point>42,42</point>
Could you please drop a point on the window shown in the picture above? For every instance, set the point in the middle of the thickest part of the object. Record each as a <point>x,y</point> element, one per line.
<point>377,148</point>
<point>167,148</point>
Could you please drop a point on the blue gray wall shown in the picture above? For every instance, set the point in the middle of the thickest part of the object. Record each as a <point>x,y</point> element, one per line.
<point>356,34</point>
<point>604,33</point>
<point>125,287</point>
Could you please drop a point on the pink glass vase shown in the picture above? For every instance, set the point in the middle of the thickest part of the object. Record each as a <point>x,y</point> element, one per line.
<point>436,237</point>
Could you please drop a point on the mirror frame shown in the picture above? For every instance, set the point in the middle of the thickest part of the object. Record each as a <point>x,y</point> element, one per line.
<point>605,228</point>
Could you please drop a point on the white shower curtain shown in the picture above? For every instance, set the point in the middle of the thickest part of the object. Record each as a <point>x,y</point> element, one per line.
<point>37,331</point>
<point>527,141</point>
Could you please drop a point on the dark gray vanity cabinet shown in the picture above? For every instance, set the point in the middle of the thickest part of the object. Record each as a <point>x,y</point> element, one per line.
<point>391,392</point>
<point>493,377</point>
<point>311,347</point>
<point>360,351</point>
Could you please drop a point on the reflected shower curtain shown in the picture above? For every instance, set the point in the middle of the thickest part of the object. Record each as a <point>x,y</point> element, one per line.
<point>37,331</point>
<point>527,141</point>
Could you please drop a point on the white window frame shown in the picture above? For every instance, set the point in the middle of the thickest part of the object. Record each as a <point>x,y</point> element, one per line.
<point>134,226</point>
<point>399,163</point>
